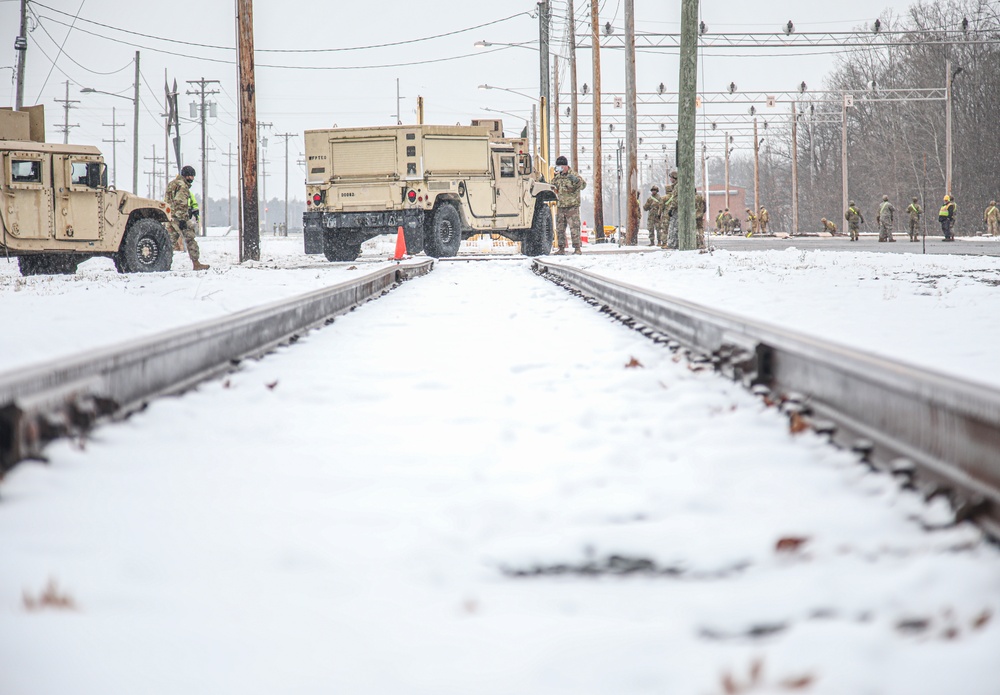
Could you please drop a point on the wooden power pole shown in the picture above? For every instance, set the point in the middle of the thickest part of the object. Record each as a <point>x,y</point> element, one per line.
<point>686,104</point>
<point>573,86</point>
<point>249,219</point>
<point>595,42</point>
<point>631,134</point>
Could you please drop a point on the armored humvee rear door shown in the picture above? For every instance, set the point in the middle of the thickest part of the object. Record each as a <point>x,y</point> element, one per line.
<point>78,193</point>
<point>27,195</point>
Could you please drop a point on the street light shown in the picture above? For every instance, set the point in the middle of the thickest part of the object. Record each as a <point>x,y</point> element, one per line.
<point>135,120</point>
<point>513,115</point>
<point>504,89</point>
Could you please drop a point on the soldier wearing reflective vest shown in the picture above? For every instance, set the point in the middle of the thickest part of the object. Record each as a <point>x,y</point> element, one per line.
<point>915,213</point>
<point>178,199</point>
<point>946,216</point>
<point>652,206</point>
<point>854,220</point>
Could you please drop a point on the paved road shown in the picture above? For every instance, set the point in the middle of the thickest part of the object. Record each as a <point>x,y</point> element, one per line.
<point>976,246</point>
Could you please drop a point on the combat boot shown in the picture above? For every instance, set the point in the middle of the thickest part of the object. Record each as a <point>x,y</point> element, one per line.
<point>577,251</point>
<point>198,265</point>
<point>559,252</point>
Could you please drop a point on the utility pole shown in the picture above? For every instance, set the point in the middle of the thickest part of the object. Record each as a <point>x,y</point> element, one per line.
<point>848,101</point>
<point>618,170</point>
<point>687,86</point>
<point>263,167</point>
<point>286,136</point>
<point>202,92</point>
<point>947,126</point>
<point>249,220</point>
<point>420,110</point>
<point>21,46</point>
<point>229,194</point>
<point>399,118</point>
<point>135,126</point>
<point>67,105</point>
<point>155,173</point>
<point>555,101</point>
<point>114,125</point>
<point>595,33</point>
<point>631,136</point>
<point>795,169</point>
<point>544,93</point>
<point>756,169</point>
<point>170,117</point>
<point>573,87</point>
<point>727,172</point>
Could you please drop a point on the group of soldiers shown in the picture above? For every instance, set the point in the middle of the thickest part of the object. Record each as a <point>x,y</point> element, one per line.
<point>662,215</point>
<point>726,223</point>
<point>886,216</point>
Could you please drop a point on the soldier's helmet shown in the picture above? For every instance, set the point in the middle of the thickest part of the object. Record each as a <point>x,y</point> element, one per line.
<point>947,198</point>
<point>655,189</point>
<point>673,174</point>
<point>885,197</point>
<point>993,202</point>
<point>823,220</point>
<point>187,171</point>
<point>561,161</point>
<point>914,199</point>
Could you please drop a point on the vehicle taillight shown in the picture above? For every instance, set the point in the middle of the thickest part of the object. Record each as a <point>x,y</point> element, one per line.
<point>317,198</point>
<point>411,196</point>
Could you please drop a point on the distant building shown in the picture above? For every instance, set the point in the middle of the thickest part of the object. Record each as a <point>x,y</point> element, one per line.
<point>717,203</point>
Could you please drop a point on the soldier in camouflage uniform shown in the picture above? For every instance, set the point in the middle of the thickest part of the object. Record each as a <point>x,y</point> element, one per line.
<point>854,220</point>
<point>652,205</point>
<point>699,217</point>
<point>178,200</point>
<point>884,219</point>
<point>829,226</point>
<point>668,218</point>
<point>751,222</point>
<point>727,222</point>
<point>915,213</point>
<point>992,219</point>
<point>762,219</point>
<point>568,186</point>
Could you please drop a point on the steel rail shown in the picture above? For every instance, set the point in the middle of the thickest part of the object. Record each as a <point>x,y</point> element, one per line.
<point>940,432</point>
<point>67,396</point>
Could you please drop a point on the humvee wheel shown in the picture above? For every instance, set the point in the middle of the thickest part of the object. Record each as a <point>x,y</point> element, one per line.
<point>538,239</point>
<point>146,248</point>
<point>338,250</point>
<point>445,233</point>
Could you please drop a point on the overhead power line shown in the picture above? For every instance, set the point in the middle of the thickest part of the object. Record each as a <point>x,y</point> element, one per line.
<point>289,50</point>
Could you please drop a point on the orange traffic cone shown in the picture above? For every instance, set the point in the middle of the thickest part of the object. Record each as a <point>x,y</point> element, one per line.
<point>400,245</point>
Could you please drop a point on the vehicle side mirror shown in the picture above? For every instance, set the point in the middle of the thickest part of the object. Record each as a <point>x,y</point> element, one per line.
<point>524,164</point>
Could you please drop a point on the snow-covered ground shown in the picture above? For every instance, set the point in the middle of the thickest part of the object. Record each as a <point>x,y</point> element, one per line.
<point>441,492</point>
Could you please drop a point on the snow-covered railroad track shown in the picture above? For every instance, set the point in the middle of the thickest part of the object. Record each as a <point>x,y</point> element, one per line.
<point>940,431</point>
<point>61,396</point>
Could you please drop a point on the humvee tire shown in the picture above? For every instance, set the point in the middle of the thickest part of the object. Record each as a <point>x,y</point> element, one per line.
<point>48,264</point>
<point>443,235</point>
<point>146,248</point>
<point>538,239</point>
<point>336,249</point>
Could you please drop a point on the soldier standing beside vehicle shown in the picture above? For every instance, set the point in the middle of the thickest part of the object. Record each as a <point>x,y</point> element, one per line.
<point>992,219</point>
<point>178,199</point>
<point>568,185</point>
<point>763,218</point>
<point>946,216</point>
<point>884,219</point>
<point>652,206</point>
<point>915,213</point>
<point>854,220</point>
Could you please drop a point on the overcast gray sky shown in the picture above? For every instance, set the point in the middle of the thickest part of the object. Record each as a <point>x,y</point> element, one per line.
<point>307,93</point>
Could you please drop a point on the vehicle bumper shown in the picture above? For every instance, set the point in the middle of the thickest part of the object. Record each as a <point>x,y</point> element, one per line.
<point>361,226</point>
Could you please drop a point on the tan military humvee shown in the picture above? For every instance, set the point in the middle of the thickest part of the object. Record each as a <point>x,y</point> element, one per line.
<point>58,209</point>
<point>441,184</point>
